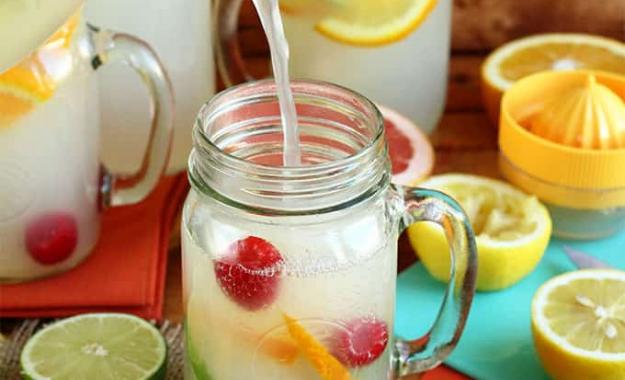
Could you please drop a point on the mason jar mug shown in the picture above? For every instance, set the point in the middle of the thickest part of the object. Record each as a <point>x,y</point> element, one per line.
<point>289,272</point>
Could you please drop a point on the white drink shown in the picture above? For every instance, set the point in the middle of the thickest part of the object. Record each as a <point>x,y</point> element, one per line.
<point>181,35</point>
<point>49,169</point>
<point>409,75</point>
<point>347,274</point>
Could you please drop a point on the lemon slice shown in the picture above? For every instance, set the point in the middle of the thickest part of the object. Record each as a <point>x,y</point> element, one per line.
<point>34,79</point>
<point>512,230</point>
<point>365,22</point>
<point>558,51</point>
<point>578,321</point>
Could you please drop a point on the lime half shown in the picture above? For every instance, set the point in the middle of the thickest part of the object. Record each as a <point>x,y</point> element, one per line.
<point>96,346</point>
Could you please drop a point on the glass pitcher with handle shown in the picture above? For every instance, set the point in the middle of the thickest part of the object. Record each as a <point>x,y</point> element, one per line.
<point>181,34</point>
<point>404,68</point>
<point>52,186</point>
<point>289,272</point>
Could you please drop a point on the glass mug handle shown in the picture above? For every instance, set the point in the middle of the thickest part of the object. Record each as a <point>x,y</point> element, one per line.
<point>227,50</point>
<point>415,356</point>
<point>112,47</point>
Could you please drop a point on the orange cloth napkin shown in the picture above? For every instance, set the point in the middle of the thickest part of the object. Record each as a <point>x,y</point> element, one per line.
<point>125,273</point>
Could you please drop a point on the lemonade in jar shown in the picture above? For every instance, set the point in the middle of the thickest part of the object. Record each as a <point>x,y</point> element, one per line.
<point>289,271</point>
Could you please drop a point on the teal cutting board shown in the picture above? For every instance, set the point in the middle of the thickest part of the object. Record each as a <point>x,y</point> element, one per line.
<point>497,341</point>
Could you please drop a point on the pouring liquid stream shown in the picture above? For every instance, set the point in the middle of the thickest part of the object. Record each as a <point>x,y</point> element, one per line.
<point>269,14</point>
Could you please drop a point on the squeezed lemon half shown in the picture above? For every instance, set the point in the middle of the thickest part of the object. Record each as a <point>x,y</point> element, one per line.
<point>512,230</point>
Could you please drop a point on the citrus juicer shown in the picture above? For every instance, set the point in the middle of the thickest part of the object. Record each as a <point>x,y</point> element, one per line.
<point>562,138</point>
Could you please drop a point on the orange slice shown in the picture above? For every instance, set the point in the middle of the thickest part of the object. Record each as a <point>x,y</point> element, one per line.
<point>31,81</point>
<point>364,22</point>
<point>326,365</point>
<point>558,51</point>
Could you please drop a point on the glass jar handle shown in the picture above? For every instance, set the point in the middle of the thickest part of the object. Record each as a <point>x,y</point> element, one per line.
<point>414,356</point>
<point>112,47</point>
<point>228,52</point>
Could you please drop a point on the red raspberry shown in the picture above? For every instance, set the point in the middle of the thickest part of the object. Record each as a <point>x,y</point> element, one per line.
<point>361,342</point>
<point>250,273</point>
<point>52,238</point>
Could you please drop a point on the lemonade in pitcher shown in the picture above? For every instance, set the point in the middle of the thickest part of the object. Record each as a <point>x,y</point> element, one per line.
<point>47,141</point>
<point>52,186</point>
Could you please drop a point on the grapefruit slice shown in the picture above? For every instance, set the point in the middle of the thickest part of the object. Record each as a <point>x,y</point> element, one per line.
<point>412,156</point>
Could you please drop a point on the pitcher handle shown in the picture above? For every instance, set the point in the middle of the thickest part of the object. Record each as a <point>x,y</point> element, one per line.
<point>414,356</point>
<point>113,47</point>
<point>230,62</point>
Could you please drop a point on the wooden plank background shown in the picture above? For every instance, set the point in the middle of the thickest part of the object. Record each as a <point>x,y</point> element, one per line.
<point>480,25</point>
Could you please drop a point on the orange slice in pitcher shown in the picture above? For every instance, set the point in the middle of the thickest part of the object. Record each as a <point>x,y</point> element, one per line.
<point>30,82</point>
<point>326,365</point>
<point>365,22</point>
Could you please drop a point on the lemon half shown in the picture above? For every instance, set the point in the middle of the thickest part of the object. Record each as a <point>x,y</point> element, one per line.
<point>578,321</point>
<point>512,230</point>
<point>556,51</point>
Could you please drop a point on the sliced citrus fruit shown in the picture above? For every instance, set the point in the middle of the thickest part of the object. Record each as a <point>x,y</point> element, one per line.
<point>512,230</point>
<point>33,80</point>
<point>365,22</point>
<point>412,155</point>
<point>326,365</point>
<point>578,322</point>
<point>96,346</point>
<point>558,51</point>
